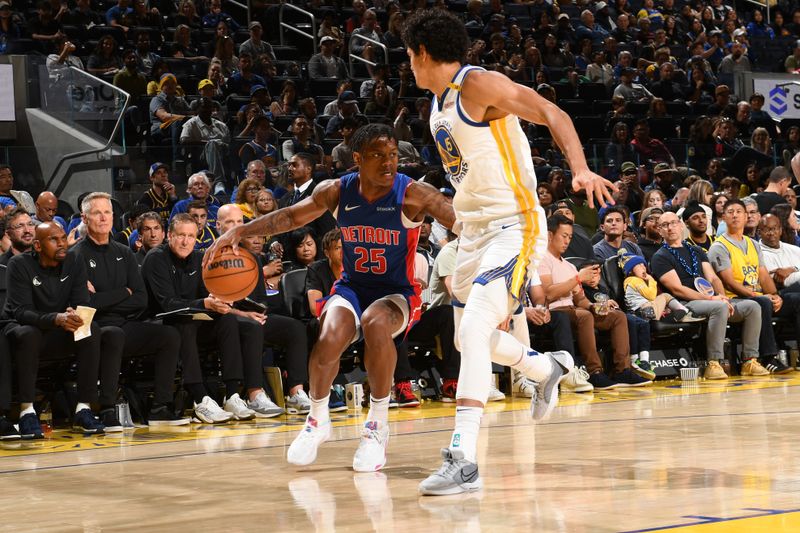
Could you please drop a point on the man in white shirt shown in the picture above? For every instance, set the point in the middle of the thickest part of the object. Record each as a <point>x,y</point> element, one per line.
<point>782,260</point>
<point>211,135</point>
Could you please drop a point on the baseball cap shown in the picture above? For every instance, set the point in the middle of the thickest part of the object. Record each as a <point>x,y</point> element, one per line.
<point>722,89</point>
<point>662,167</point>
<point>327,39</point>
<point>563,16</point>
<point>5,4</point>
<point>255,88</point>
<point>627,166</point>
<point>154,166</point>
<point>600,5</point>
<point>648,212</point>
<point>204,83</point>
<point>254,24</point>
<point>738,32</point>
<point>348,97</point>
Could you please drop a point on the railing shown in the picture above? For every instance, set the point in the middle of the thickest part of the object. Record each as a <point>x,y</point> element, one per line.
<point>243,7</point>
<point>82,100</point>
<point>765,4</point>
<point>378,44</point>
<point>285,26</point>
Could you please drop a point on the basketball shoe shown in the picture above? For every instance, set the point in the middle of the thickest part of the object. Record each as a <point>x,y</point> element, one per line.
<point>236,406</point>
<point>371,453</point>
<point>303,450</point>
<point>456,475</point>
<point>546,397</point>
<point>522,385</point>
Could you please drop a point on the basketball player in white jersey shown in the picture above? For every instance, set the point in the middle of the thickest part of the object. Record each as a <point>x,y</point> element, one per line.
<point>474,121</point>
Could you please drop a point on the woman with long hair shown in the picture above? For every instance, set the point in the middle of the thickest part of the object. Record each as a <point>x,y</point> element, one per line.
<point>224,53</point>
<point>104,60</point>
<point>779,25</point>
<point>287,102</point>
<point>545,193</point>
<point>789,225</point>
<point>380,102</point>
<point>759,28</point>
<point>718,202</point>
<point>265,202</point>
<point>392,35</point>
<point>183,46</point>
<point>187,14</point>
<point>752,181</point>
<point>760,141</point>
<point>657,109</point>
<point>246,197</point>
<point>619,149</point>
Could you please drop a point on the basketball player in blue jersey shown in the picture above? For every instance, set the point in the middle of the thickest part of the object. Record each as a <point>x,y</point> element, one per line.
<point>475,124</point>
<point>379,212</point>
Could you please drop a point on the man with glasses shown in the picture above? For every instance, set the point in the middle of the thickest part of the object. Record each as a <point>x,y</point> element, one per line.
<point>19,229</point>
<point>739,262</point>
<point>753,217</point>
<point>685,272</point>
<point>199,188</point>
<point>649,237</point>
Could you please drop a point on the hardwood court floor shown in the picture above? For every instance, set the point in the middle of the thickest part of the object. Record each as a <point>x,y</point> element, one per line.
<point>705,458</point>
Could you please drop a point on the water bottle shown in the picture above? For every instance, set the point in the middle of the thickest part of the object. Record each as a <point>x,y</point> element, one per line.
<point>46,420</point>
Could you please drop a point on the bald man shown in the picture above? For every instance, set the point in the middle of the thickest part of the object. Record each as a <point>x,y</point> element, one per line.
<point>46,209</point>
<point>781,259</point>
<point>44,289</point>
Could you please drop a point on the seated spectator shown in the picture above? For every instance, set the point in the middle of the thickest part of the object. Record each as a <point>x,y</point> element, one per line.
<point>744,126</point>
<point>348,107</point>
<point>685,272</point>
<point>738,262</point>
<point>781,259</point>
<point>326,64</point>
<point>187,14</point>
<point>600,71</point>
<point>255,46</point>
<point>246,197</point>
<point>761,142</point>
<point>641,293</point>
<point>342,153</point>
<point>545,193</point>
<point>206,234</point>
<point>117,12</point>
<point>82,15</point>
<point>168,112</point>
<point>561,282</point>
<point>588,29</point>
<point>307,107</point>
<point>394,30</point>
<point>380,101</point>
<point>10,198</point>
<point>778,182</point>
<point>46,209</point>
<point>142,16</point>
<point>322,274</point>
<point>649,237</point>
<point>301,142</point>
<point>104,60</point>
<point>789,224</point>
<point>20,229</point>
<point>45,28</point>
<point>169,273</point>
<point>150,231</point>
<point>612,225</point>
<point>753,218</point>
<point>287,102</point>
<point>145,57</point>
<point>332,107</point>
<point>580,245</point>
<point>265,202</point>
<point>695,217</point>
<point>215,15</point>
<point>242,82</point>
<point>198,188</point>
<point>259,147</point>
<point>736,61</point>
<point>58,63</point>
<point>722,97</point>
<point>631,92</point>
<point>700,89</point>
<point>792,63</point>
<point>301,250</point>
<point>730,186</point>
<point>370,29</point>
<point>667,87</point>
<point>161,196</point>
<point>41,321</point>
<point>130,79</point>
<point>159,69</point>
<point>649,148</point>
<point>214,75</point>
<point>183,47</point>
<point>224,53</point>
<point>210,136</point>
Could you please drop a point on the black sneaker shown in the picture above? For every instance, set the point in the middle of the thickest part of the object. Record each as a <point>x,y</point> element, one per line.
<point>110,420</point>
<point>163,415</point>
<point>775,366</point>
<point>7,430</point>
<point>85,422</point>
<point>600,381</point>
<point>29,427</point>
<point>629,378</point>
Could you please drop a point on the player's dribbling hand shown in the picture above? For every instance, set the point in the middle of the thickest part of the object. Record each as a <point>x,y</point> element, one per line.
<point>595,186</point>
<point>230,239</point>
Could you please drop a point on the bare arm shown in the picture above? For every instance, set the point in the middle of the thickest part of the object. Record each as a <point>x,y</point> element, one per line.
<point>423,198</point>
<point>491,95</point>
<point>735,287</point>
<point>325,197</point>
<point>673,284</point>
<point>556,291</point>
<point>767,285</point>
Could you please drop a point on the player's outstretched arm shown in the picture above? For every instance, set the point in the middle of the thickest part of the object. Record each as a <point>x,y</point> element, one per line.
<point>424,199</point>
<point>325,197</point>
<point>488,90</point>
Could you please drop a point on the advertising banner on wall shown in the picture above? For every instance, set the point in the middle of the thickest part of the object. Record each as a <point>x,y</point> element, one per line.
<point>782,96</point>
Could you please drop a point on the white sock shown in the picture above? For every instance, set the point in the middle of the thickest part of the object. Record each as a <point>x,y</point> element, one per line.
<point>634,357</point>
<point>465,434</point>
<point>644,355</point>
<point>26,408</point>
<point>319,410</point>
<point>378,410</point>
<point>80,407</point>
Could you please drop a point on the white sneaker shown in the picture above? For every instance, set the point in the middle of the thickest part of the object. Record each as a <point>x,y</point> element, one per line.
<point>495,394</point>
<point>303,450</point>
<point>240,411</point>
<point>210,412</point>
<point>263,406</point>
<point>577,380</point>
<point>298,403</point>
<point>522,385</point>
<point>371,453</point>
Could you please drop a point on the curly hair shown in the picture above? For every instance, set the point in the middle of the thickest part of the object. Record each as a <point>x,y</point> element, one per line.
<point>366,134</point>
<point>441,33</point>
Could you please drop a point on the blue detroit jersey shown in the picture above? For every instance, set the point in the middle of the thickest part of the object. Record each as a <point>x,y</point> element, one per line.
<point>378,247</point>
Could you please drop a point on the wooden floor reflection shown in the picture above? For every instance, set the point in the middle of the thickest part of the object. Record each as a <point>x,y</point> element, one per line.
<point>707,458</point>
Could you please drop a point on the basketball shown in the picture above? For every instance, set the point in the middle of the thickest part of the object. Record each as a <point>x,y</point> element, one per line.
<point>231,277</point>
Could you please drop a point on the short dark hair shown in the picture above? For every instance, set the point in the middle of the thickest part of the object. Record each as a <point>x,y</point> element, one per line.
<point>248,55</point>
<point>441,33</point>
<point>556,220</point>
<point>779,174</point>
<point>308,159</point>
<point>734,201</point>
<point>331,237</point>
<point>180,218</point>
<point>197,204</point>
<point>144,217</point>
<point>611,210</point>
<point>366,134</point>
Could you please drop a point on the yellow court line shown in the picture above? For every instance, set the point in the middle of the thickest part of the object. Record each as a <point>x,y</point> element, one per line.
<point>65,441</point>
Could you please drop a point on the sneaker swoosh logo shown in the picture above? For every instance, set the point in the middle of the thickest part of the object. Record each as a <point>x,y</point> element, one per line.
<point>469,473</point>
<point>193,272</point>
<point>351,207</point>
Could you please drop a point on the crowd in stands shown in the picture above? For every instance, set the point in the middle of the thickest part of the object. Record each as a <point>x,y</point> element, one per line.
<point>703,233</point>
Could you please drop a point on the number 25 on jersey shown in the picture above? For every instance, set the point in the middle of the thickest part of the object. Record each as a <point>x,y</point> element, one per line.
<point>371,261</point>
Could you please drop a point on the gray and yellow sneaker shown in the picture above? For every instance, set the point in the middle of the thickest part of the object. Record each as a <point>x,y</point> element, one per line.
<point>456,475</point>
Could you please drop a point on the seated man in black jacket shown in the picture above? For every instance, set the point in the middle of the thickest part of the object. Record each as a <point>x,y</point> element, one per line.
<point>116,291</point>
<point>173,277</point>
<point>44,289</point>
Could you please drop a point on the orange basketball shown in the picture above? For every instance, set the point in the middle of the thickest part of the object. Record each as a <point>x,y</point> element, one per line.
<point>231,277</point>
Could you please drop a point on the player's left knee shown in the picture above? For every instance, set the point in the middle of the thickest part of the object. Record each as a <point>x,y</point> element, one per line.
<point>379,323</point>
